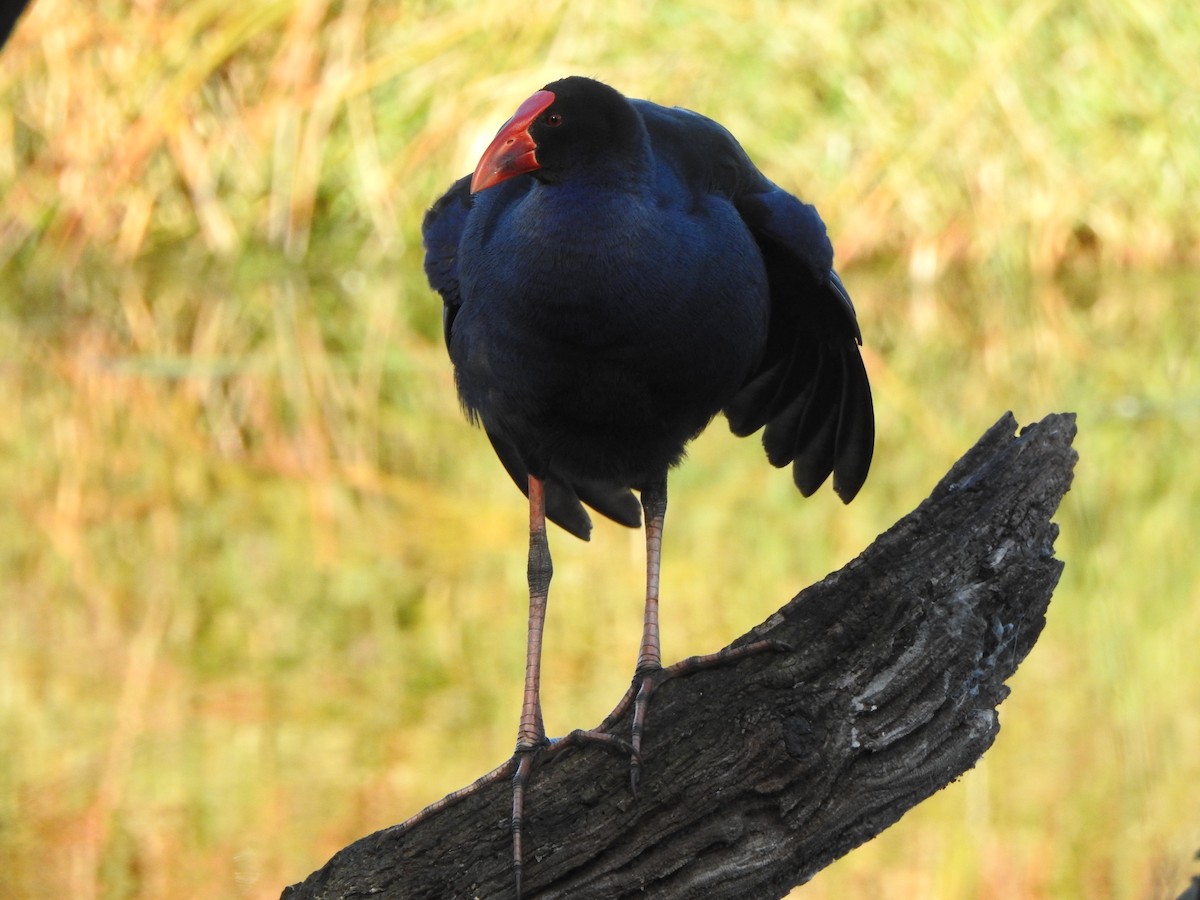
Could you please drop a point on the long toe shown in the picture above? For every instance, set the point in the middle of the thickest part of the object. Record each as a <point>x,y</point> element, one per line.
<point>641,706</point>
<point>520,782</point>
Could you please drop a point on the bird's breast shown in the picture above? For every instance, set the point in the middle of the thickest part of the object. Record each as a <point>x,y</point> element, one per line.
<point>606,268</point>
<point>616,316</point>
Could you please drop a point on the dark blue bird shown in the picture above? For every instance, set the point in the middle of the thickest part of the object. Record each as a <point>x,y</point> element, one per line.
<point>615,273</point>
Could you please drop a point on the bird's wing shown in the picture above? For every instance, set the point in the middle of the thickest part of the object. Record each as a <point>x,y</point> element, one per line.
<point>441,230</point>
<point>810,389</point>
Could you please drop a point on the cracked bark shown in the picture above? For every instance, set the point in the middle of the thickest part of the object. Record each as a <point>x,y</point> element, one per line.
<point>758,775</point>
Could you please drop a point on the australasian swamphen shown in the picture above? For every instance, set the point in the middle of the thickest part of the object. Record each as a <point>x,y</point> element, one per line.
<point>615,273</point>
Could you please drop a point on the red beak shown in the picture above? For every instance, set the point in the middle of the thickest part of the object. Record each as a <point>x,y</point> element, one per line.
<point>511,152</point>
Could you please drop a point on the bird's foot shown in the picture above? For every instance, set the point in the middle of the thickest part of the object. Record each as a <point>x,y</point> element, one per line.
<point>646,682</point>
<point>527,759</point>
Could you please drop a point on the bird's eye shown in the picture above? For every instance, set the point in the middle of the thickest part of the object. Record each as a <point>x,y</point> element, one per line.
<point>553,119</point>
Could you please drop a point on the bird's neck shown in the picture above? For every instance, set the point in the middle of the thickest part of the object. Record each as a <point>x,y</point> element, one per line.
<point>625,167</point>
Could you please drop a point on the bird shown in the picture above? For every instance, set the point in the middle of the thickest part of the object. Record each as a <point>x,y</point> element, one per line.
<point>614,274</point>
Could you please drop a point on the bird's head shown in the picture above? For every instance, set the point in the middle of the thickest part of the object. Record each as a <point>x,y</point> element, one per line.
<point>571,123</point>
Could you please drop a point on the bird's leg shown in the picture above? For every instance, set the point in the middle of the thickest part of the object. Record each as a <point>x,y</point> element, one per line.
<point>650,672</point>
<point>654,505</point>
<point>531,733</point>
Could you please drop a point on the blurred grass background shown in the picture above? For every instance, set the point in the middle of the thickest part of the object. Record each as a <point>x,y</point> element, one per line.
<point>263,589</point>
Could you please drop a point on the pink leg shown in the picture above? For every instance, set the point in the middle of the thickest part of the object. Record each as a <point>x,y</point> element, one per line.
<point>654,504</point>
<point>531,734</point>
